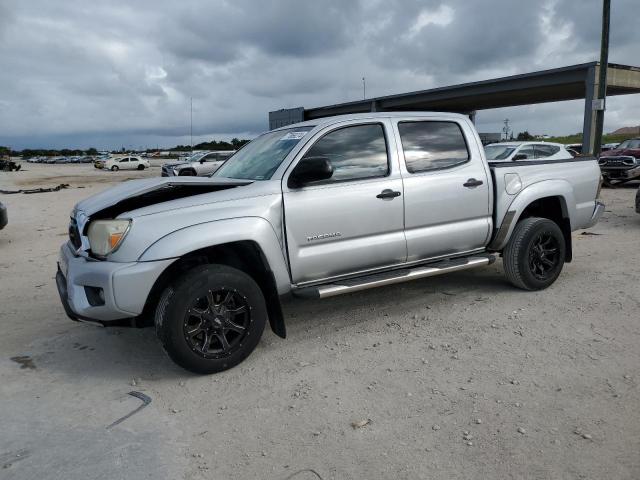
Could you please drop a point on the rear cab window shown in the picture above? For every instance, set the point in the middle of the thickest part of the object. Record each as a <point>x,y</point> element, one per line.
<point>431,145</point>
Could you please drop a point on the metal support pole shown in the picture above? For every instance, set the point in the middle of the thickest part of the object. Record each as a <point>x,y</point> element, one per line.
<point>599,106</point>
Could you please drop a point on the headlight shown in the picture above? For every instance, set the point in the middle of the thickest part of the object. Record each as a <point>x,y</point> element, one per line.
<point>105,236</point>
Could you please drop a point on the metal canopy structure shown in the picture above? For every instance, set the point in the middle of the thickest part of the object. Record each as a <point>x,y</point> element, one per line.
<point>558,84</point>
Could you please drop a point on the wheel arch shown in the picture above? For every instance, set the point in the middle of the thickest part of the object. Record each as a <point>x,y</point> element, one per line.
<point>248,243</point>
<point>245,255</point>
<point>552,199</point>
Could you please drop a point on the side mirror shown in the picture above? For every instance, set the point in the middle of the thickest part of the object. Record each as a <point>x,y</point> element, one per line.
<point>201,161</point>
<point>310,169</point>
<point>520,156</point>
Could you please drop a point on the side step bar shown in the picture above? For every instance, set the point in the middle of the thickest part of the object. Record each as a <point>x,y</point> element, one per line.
<point>394,276</point>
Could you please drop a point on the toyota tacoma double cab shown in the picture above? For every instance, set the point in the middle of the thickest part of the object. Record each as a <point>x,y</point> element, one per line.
<point>316,209</point>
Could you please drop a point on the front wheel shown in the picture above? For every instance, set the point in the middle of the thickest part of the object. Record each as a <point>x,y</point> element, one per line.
<point>114,168</point>
<point>140,167</point>
<point>211,318</point>
<point>534,256</point>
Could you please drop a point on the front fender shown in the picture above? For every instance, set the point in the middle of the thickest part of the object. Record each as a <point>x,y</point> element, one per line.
<point>181,242</point>
<point>536,191</point>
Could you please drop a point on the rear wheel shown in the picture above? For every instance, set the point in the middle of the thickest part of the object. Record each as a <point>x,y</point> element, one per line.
<point>211,318</point>
<point>534,256</point>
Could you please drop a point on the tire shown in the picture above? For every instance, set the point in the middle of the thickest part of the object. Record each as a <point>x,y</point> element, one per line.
<point>140,167</point>
<point>534,256</point>
<point>187,173</point>
<point>190,312</point>
<point>115,168</point>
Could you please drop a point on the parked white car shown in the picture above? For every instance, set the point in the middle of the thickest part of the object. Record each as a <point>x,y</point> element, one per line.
<point>126,163</point>
<point>505,152</point>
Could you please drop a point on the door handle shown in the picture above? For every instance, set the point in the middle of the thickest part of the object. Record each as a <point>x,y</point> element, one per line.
<point>472,182</point>
<point>388,193</point>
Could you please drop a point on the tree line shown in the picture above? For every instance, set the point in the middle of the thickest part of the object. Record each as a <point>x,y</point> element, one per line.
<point>234,144</point>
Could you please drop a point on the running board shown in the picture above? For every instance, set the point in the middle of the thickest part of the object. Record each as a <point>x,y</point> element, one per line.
<point>394,276</point>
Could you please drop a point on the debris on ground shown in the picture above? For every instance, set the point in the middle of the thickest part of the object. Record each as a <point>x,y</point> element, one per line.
<point>579,432</point>
<point>360,423</point>
<point>25,361</point>
<point>36,190</point>
<point>590,233</point>
<point>9,166</point>
<point>146,400</point>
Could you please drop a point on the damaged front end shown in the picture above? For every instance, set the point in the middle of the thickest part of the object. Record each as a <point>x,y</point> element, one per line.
<point>100,284</point>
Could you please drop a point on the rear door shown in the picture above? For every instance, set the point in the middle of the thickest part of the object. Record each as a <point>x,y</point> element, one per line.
<point>347,224</point>
<point>446,188</point>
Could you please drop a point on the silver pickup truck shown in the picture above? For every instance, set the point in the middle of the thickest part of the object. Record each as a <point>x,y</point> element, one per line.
<point>316,209</point>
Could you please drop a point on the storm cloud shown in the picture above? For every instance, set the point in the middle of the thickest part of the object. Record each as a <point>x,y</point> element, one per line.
<point>111,74</point>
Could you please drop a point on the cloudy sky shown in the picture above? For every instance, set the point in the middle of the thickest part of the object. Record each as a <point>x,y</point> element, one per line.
<point>121,73</point>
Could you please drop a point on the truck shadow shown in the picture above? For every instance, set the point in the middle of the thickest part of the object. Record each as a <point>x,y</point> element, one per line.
<point>125,354</point>
<point>434,293</point>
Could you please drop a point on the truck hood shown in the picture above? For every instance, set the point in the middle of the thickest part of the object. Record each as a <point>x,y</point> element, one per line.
<point>631,152</point>
<point>136,194</point>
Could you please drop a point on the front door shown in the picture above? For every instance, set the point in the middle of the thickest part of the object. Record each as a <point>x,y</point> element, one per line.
<point>447,203</point>
<point>352,222</point>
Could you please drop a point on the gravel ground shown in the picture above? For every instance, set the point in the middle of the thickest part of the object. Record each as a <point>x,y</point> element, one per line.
<point>460,376</point>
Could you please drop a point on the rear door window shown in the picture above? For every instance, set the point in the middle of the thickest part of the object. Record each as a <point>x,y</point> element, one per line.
<point>430,145</point>
<point>544,151</point>
<point>528,151</point>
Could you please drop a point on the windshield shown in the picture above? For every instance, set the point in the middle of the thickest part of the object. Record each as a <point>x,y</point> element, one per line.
<point>630,144</point>
<point>498,152</point>
<point>261,157</point>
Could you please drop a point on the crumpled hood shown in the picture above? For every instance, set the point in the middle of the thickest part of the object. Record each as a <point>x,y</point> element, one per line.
<point>135,194</point>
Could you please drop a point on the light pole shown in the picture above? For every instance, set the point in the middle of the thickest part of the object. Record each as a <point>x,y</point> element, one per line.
<point>599,103</point>
<point>191,129</point>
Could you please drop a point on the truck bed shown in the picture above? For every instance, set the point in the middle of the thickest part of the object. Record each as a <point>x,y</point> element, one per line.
<point>577,177</point>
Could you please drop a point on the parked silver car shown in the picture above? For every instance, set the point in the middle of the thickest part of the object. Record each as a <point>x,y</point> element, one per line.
<point>316,209</point>
<point>198,165</point>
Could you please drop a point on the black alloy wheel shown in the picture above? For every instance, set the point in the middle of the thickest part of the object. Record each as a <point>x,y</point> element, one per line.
<point>535,254</point>
<point>544,256</point>
<point>215,325</point>
<point>211,318</point>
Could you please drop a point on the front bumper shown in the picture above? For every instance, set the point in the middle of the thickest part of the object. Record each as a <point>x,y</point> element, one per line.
<point>621,173</point>
<point>124,286</point>
<point>598,210</point>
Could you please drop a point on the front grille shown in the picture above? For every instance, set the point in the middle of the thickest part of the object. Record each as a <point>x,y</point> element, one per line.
<point>618,161</point>
<point>74,234</point>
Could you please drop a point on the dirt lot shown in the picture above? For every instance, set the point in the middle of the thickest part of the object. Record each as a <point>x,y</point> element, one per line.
<point>544,384</point>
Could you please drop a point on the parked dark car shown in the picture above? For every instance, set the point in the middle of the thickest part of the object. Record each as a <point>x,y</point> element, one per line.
<point>621,164</point>
<point>3,216</point>
<point>638,200</point>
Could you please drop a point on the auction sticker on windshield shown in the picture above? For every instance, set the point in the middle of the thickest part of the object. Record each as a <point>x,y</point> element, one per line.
<point>294,135</point>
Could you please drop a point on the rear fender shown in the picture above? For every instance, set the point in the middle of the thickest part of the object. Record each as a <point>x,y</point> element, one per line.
<point>537,191</point>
